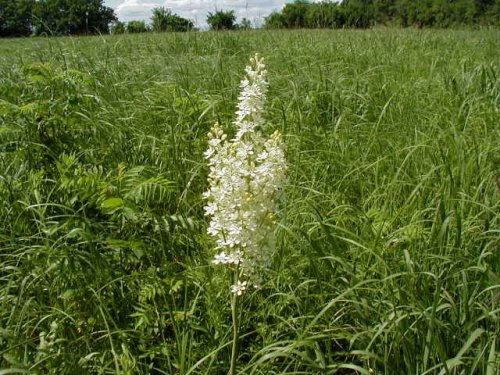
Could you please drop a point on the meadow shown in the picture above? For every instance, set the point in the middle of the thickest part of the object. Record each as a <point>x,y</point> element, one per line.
<point>387,258</point>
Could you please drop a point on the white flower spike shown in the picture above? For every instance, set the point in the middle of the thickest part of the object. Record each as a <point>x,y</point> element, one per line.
<point>246,177</point>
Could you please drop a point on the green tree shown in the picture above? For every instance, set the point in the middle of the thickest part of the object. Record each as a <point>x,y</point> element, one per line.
<point>178,23</point>
<point>137,27</point>
<point>275,21</point>
<point>159,19</point>
<point>294,14</point>
<point>164,20</point>
<point>365,13</point>
<point>245,24</point>
<point>358,13</point>
<point>449,13</point>
<point>222,20</point>
<point>384,10</point>
<point>15,17</point>
<point>492,13</point>
<point>324,15</point>
<point>119,27</point>
<point>71,17</point>
<point>302,13</point>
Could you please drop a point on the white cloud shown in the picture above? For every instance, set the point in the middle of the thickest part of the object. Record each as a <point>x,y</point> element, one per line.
<point>196,10</point>
<point>129,10</point>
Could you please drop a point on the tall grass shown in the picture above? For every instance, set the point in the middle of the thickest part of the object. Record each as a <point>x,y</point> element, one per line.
<point>388,253</point>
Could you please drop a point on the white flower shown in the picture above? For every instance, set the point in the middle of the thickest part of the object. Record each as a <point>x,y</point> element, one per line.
<point>210,208</point>
<point>239,288</point>
<point>223,258</point>
<point>246,175</point>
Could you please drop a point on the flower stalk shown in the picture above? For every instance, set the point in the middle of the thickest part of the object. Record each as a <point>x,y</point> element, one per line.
<point>246,175</point>
<point>236,326</point>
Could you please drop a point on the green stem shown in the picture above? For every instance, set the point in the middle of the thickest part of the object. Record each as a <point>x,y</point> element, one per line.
<point>234,313</point>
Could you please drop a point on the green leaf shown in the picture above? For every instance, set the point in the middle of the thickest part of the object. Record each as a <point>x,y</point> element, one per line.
<point>490,369</point>
<point>457,361</point>
<point>113,204</point>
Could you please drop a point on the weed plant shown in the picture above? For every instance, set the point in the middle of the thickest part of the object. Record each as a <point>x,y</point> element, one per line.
<point>387,259</point>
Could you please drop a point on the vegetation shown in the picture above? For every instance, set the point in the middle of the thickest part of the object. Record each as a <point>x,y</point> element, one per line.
<point>222,20</point>
<point>54,17</point>
<point>245,24</point>
<point>164,20</point>
<point>15,17</point>
<point>386,257</point>
<point>137,27</point>
<point>366,13</point>
<point>64,17</point>
<point>119,27</point>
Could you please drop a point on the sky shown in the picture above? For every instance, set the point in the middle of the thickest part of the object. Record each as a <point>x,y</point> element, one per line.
<point>195,10</point>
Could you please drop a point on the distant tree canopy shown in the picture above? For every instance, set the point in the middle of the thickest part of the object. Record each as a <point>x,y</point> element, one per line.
<point>164,20</point>
<point>222,20</point>
<point>245,24</point>
<point>63,17</point>
<point>161,20</point>
<point>137,27</point>
<point>366,13</point>
<point>119,27</point>
<point>15,17</point>
<point>26,17</point>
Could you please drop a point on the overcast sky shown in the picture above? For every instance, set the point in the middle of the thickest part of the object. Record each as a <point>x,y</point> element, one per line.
<point>195,10</point>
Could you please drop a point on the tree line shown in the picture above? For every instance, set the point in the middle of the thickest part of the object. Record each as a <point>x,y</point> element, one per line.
<point>64,17</point>
<point>68,17</point>
<point>164,20</point>
<point>54,17</point>
<point>367,13</point>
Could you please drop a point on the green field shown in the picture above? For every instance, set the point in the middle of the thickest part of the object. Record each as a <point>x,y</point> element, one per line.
<point>388,251</point>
